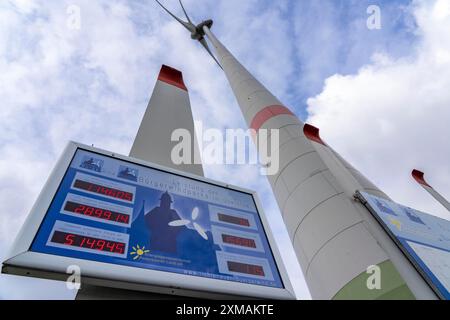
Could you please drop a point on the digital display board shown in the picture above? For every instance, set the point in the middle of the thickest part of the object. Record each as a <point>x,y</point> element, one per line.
<point>424,238</point>
<point>119,212</point>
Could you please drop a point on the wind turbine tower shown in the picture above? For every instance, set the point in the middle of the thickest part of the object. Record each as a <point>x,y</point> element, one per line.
<point>336,239</point>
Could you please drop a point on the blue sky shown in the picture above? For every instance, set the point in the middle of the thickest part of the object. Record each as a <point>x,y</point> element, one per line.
<point>380,96</point>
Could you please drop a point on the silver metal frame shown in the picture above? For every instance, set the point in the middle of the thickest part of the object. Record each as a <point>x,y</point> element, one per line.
<point>21,261</point>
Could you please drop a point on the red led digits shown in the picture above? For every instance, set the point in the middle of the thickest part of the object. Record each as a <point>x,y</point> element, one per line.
<point>75,240</point>
<point>110,192</point>
<point>120,248</point>
<point>99,213</point>
<point>245,268</point>
<point>243,242</point>
<point>69,239</point>
<point>234,220</point>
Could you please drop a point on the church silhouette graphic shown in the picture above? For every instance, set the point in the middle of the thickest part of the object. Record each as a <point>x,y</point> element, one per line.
<point>162,236</point>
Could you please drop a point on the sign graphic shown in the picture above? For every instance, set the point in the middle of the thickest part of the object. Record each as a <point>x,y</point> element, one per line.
<point>424,238</point>
<point>118,212</point>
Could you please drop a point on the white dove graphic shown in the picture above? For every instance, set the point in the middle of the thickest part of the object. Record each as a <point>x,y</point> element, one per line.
<point>184,222</point>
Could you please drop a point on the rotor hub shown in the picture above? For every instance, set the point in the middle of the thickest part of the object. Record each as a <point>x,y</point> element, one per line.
<point>199,33</point>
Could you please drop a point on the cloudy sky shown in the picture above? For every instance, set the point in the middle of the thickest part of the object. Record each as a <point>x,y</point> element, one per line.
<point>381,97</point>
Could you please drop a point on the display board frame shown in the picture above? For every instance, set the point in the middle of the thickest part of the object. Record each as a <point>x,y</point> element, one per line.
<point>404,243</point>
<point>22,261</point>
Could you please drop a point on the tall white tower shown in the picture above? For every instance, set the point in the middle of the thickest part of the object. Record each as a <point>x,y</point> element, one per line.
<point>169,109</point>
<point>335,238</point>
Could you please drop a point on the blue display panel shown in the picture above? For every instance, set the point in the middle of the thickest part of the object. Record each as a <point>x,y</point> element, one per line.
<point>424,238</point>
<point>119,212</point>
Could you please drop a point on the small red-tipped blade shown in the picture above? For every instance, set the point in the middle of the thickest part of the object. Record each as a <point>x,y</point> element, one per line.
<point>313,133</point>
<point>419,177</point>
<point>172,76</point>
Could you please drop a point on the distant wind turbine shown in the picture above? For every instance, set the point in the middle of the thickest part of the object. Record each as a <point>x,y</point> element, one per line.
<point>419,176</point>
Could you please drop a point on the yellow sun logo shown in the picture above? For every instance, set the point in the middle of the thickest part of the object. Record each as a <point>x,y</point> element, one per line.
<point>138,252</point>
<point>396,223</point>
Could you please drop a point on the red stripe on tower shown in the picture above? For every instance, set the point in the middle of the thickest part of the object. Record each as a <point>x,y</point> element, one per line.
<point>172,76</point>
<point>419,177</point>
<point>266,114</point>
<point>313,133</point>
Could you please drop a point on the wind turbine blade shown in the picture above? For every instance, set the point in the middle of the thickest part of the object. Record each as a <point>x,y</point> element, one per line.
<point>188,26</point>
<point>185,13</point>
<point>200,231</point>
<point>179,223</point>
<point>205,45</point>
<point>195,213</point>
<point>419,177</point>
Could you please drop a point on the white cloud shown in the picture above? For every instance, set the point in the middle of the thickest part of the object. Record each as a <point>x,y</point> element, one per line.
<point>333,38</point>
<point>393,114</point>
